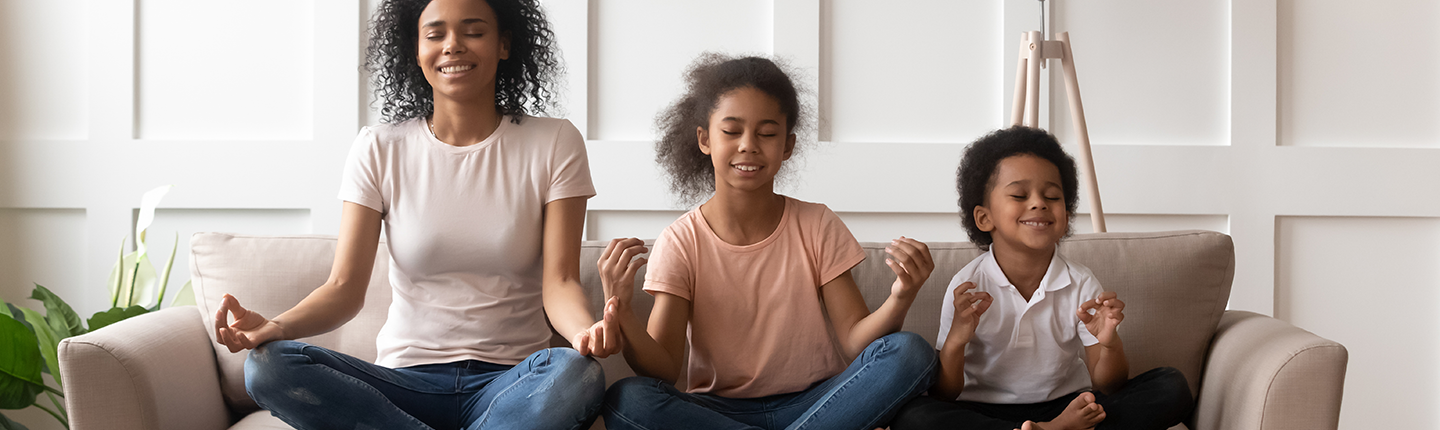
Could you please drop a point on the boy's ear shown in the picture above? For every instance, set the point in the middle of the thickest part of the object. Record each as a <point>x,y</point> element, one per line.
<point>703,136</point>
<point>789,146</point>
<point>982,219</point>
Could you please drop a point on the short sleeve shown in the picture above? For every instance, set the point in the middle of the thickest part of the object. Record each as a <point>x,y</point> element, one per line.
<point>670,268</point>
<point>569,166</point>
<point>837,251</point>
<point>1089,289</point>
<point>361,179</point>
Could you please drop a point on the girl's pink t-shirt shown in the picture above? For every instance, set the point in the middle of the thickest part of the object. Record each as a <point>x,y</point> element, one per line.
<point>757,323</point>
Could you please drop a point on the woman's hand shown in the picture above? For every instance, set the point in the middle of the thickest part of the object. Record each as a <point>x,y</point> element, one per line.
<point>604,338</point>
<point>249,330</point>
<point>911,262</point>
<point>618,267</point>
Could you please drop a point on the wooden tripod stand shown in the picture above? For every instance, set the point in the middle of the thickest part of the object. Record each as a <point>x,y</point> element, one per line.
<point>1034,51</point>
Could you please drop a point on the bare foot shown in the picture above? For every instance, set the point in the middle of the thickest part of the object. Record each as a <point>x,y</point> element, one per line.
<point>1082,413</point>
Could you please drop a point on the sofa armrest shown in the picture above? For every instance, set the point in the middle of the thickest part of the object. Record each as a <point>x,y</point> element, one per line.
<point>1263,373</point>
<point>154,371</point>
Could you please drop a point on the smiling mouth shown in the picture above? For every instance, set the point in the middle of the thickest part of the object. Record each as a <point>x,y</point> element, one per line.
<point>1036,223</point>
<point>745,167</point>
<point>456,69</point>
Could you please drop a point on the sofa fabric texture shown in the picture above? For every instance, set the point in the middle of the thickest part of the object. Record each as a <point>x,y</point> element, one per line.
<point>1247,370</point>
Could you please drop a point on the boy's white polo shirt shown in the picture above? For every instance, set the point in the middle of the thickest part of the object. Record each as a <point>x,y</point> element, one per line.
<point>1024,351</point>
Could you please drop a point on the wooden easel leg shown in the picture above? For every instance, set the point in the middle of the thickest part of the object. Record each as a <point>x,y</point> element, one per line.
<point>1032,78</point>
<point>1017,108</point>
<point>1082,137</point>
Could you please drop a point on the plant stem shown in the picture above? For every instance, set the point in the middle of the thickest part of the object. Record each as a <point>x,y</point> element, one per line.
<point>57,403</point>
<point>52,390</point>
<point>54,414</point>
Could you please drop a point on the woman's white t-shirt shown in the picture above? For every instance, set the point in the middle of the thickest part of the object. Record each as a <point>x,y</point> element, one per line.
<point>464,227</point>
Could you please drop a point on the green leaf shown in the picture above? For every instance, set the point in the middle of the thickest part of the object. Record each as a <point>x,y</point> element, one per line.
<point>143,285</point>
<point>5,309</point>
<point>61,317</point>
<point>114,315</point>
<point>116,276</point>
<point>49,342</point>
<point>7,424</point>
<point>20,364</point>
<point>138,276</point>
<point>184,297</point>
<point>165,275</point>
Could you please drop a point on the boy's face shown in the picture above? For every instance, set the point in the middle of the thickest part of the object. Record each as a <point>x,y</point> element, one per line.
<point>1025,207</point>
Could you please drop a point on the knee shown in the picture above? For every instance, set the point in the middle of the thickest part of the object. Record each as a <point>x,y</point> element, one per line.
<point>628,391</point>
<point>909,351</point>
<point>576,370</point>
<point>267,366</point>
<point>1171,383</point>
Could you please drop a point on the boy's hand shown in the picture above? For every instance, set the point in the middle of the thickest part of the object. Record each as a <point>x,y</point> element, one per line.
<point>911,262</point>
<point>1109,312</point>
<point>968,308</point>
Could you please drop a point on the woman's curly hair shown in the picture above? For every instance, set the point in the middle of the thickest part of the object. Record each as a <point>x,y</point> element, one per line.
<point>524,83</point>
<point>977,171</point>
<point>712,75</point>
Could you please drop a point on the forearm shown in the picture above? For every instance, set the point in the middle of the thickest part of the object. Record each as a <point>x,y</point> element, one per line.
<point>566,306</point>
<point>1111,369</point>
<point>325,309</point>
<point>643,353</point>
<point>889,318</point>
<point>950,380</point>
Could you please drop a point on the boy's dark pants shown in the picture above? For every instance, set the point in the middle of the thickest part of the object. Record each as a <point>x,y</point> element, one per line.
<point>1157,399</point>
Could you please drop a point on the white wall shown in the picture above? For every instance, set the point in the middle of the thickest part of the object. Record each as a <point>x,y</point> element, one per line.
<point>1309,130</point>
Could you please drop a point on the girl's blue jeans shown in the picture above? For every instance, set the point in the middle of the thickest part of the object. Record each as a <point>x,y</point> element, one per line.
<point>890,372</point>
<point>313,388</point>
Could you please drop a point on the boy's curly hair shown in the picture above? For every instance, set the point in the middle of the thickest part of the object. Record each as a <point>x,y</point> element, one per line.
<point>524,83</point>
<point>692,175</point>
<point>974,179</point>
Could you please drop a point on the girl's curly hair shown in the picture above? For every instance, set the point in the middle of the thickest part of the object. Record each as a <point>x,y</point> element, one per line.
<point>977,171</point>
<point>524,83</point>
<point>712,75</point>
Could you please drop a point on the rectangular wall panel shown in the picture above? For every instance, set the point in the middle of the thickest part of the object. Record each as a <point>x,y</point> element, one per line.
<point>47,246</point>
<point>1117,223</point>
<point>1359,74</point>
<point>641,48</point>
<point>194,84</point>
<point>170,223</point>
<point>913,71</point>
<point>607,225</point>
<point>44,70</point>
<point>1150,73</point>
<point>1372,284</point>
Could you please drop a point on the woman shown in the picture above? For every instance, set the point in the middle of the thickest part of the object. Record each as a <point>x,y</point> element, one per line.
<point>483,208</point>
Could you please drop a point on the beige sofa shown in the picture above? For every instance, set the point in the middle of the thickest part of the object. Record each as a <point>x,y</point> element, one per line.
<point>163,370</point>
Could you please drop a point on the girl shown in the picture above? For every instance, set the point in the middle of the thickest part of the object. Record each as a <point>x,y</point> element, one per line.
<point>1018,320</point>
<point>753,275</point>
<point>483,208</point>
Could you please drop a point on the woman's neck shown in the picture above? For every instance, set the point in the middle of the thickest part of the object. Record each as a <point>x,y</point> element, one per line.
<point>464,124</point>
<point>1024,268</point>
<point>743,218</point>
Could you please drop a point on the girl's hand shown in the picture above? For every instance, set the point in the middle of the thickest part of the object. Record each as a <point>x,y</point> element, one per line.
<point>968,308</point>
<point>910,260</point>
<point>618,267</point>
<point>604,338</point>
<point>249,330</point>
<point>1109,312</point>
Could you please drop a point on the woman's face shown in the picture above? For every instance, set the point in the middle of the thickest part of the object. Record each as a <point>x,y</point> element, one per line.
<point>460,46</point>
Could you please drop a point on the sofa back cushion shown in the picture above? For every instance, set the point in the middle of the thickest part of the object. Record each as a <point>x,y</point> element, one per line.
<point>1175,286</point>
<point>269,275</point>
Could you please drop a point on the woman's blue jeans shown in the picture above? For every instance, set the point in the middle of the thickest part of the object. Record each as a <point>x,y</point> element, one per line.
<point>314,388</point>
<point>890,372</point>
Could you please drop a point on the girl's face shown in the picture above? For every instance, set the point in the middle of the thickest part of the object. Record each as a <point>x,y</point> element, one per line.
<point>1025,207</point>
<point>747,139</point>
<point>460,46</point>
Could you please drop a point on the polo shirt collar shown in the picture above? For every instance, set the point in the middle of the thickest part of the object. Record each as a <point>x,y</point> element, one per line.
<point>1057,276</point>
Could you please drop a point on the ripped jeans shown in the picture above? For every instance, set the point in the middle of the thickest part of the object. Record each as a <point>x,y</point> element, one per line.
<point>314,388</point>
